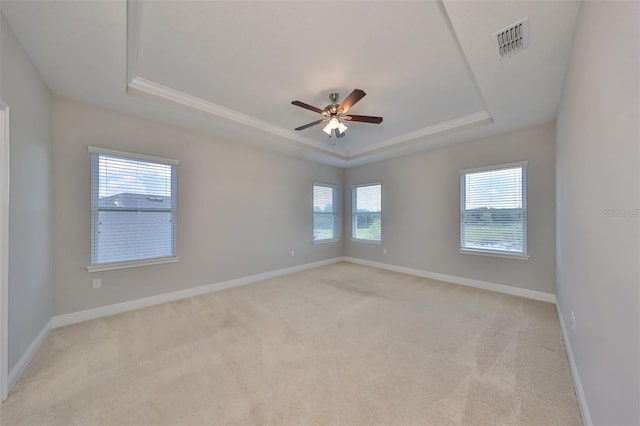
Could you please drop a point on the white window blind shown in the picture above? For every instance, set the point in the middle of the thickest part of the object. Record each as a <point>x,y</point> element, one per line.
<point>134,207</point>
<point>493,215</point>
<point>325,212</point>
<point>367,212</point>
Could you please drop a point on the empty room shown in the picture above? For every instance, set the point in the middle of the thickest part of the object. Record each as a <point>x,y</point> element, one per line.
<point>319,212</point>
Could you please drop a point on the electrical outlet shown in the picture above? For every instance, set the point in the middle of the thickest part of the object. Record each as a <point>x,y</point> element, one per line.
<point>97,283</point>
<point>573,322</point>
<point>384,251</point>
<point>293,253</point>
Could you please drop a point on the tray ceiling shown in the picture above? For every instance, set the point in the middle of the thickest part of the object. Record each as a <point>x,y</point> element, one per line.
<point>231,69</point>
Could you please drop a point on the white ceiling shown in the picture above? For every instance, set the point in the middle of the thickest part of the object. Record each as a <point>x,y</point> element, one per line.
<point>231,69</point>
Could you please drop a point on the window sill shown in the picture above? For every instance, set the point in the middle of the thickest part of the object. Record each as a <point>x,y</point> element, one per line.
<point>358,240</point>
<point>502,254</point>
<point>329,240</point>
<point>135,264</point>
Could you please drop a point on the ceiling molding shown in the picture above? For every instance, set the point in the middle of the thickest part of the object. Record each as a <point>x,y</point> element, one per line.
<point>477,119</point>
<point>147,89</point>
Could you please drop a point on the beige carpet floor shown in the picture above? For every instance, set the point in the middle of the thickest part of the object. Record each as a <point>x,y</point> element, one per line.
<point>342,344</point>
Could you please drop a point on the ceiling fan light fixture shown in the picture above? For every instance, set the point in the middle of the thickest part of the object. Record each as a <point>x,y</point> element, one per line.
<point>333,124</point>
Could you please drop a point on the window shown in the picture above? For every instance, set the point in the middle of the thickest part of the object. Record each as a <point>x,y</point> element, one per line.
<point>133,207</point>
<point>367,212</point>
<point>325,212</point>
<point>493,210</point>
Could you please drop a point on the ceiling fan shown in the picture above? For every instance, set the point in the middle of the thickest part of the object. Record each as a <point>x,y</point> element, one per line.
<point>335,114</point>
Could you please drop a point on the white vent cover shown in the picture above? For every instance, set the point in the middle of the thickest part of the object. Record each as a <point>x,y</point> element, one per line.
<point>512,39</point>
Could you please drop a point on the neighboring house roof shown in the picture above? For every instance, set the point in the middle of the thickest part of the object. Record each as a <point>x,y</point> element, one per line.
<point>135,201</point>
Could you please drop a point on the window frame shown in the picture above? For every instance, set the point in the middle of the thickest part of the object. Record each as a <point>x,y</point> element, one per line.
<point>106,266</point>
<point>354,212</point>
<point>524,255</point>
<point>336,208</point>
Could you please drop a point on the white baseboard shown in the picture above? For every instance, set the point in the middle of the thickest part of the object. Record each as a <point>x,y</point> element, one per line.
<point>498,288</point>
<point>105,311</point>
<point>577,383</point>
<point>27,356</point>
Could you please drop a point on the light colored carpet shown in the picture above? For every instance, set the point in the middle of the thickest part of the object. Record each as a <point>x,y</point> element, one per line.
<point>342,344</point>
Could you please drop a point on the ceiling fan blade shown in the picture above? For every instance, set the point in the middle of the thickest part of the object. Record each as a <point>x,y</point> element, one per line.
<point>363,118</point>
<point>310,124</point>
<point>351,100</point>
<point>307,106</point>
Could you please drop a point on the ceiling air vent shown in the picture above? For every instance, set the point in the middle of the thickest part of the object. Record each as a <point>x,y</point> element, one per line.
<point>512,39</point>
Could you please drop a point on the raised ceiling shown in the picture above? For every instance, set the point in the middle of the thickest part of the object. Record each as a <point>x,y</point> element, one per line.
<point>231,69</point>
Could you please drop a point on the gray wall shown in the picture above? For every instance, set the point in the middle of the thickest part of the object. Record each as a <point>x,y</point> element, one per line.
<point>421,209</point>
<point>597,208</point>
<point>30,288</point>
<point>241,210</point>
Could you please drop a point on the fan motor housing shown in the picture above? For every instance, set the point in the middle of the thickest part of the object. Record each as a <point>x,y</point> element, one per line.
<point>331,109</point>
